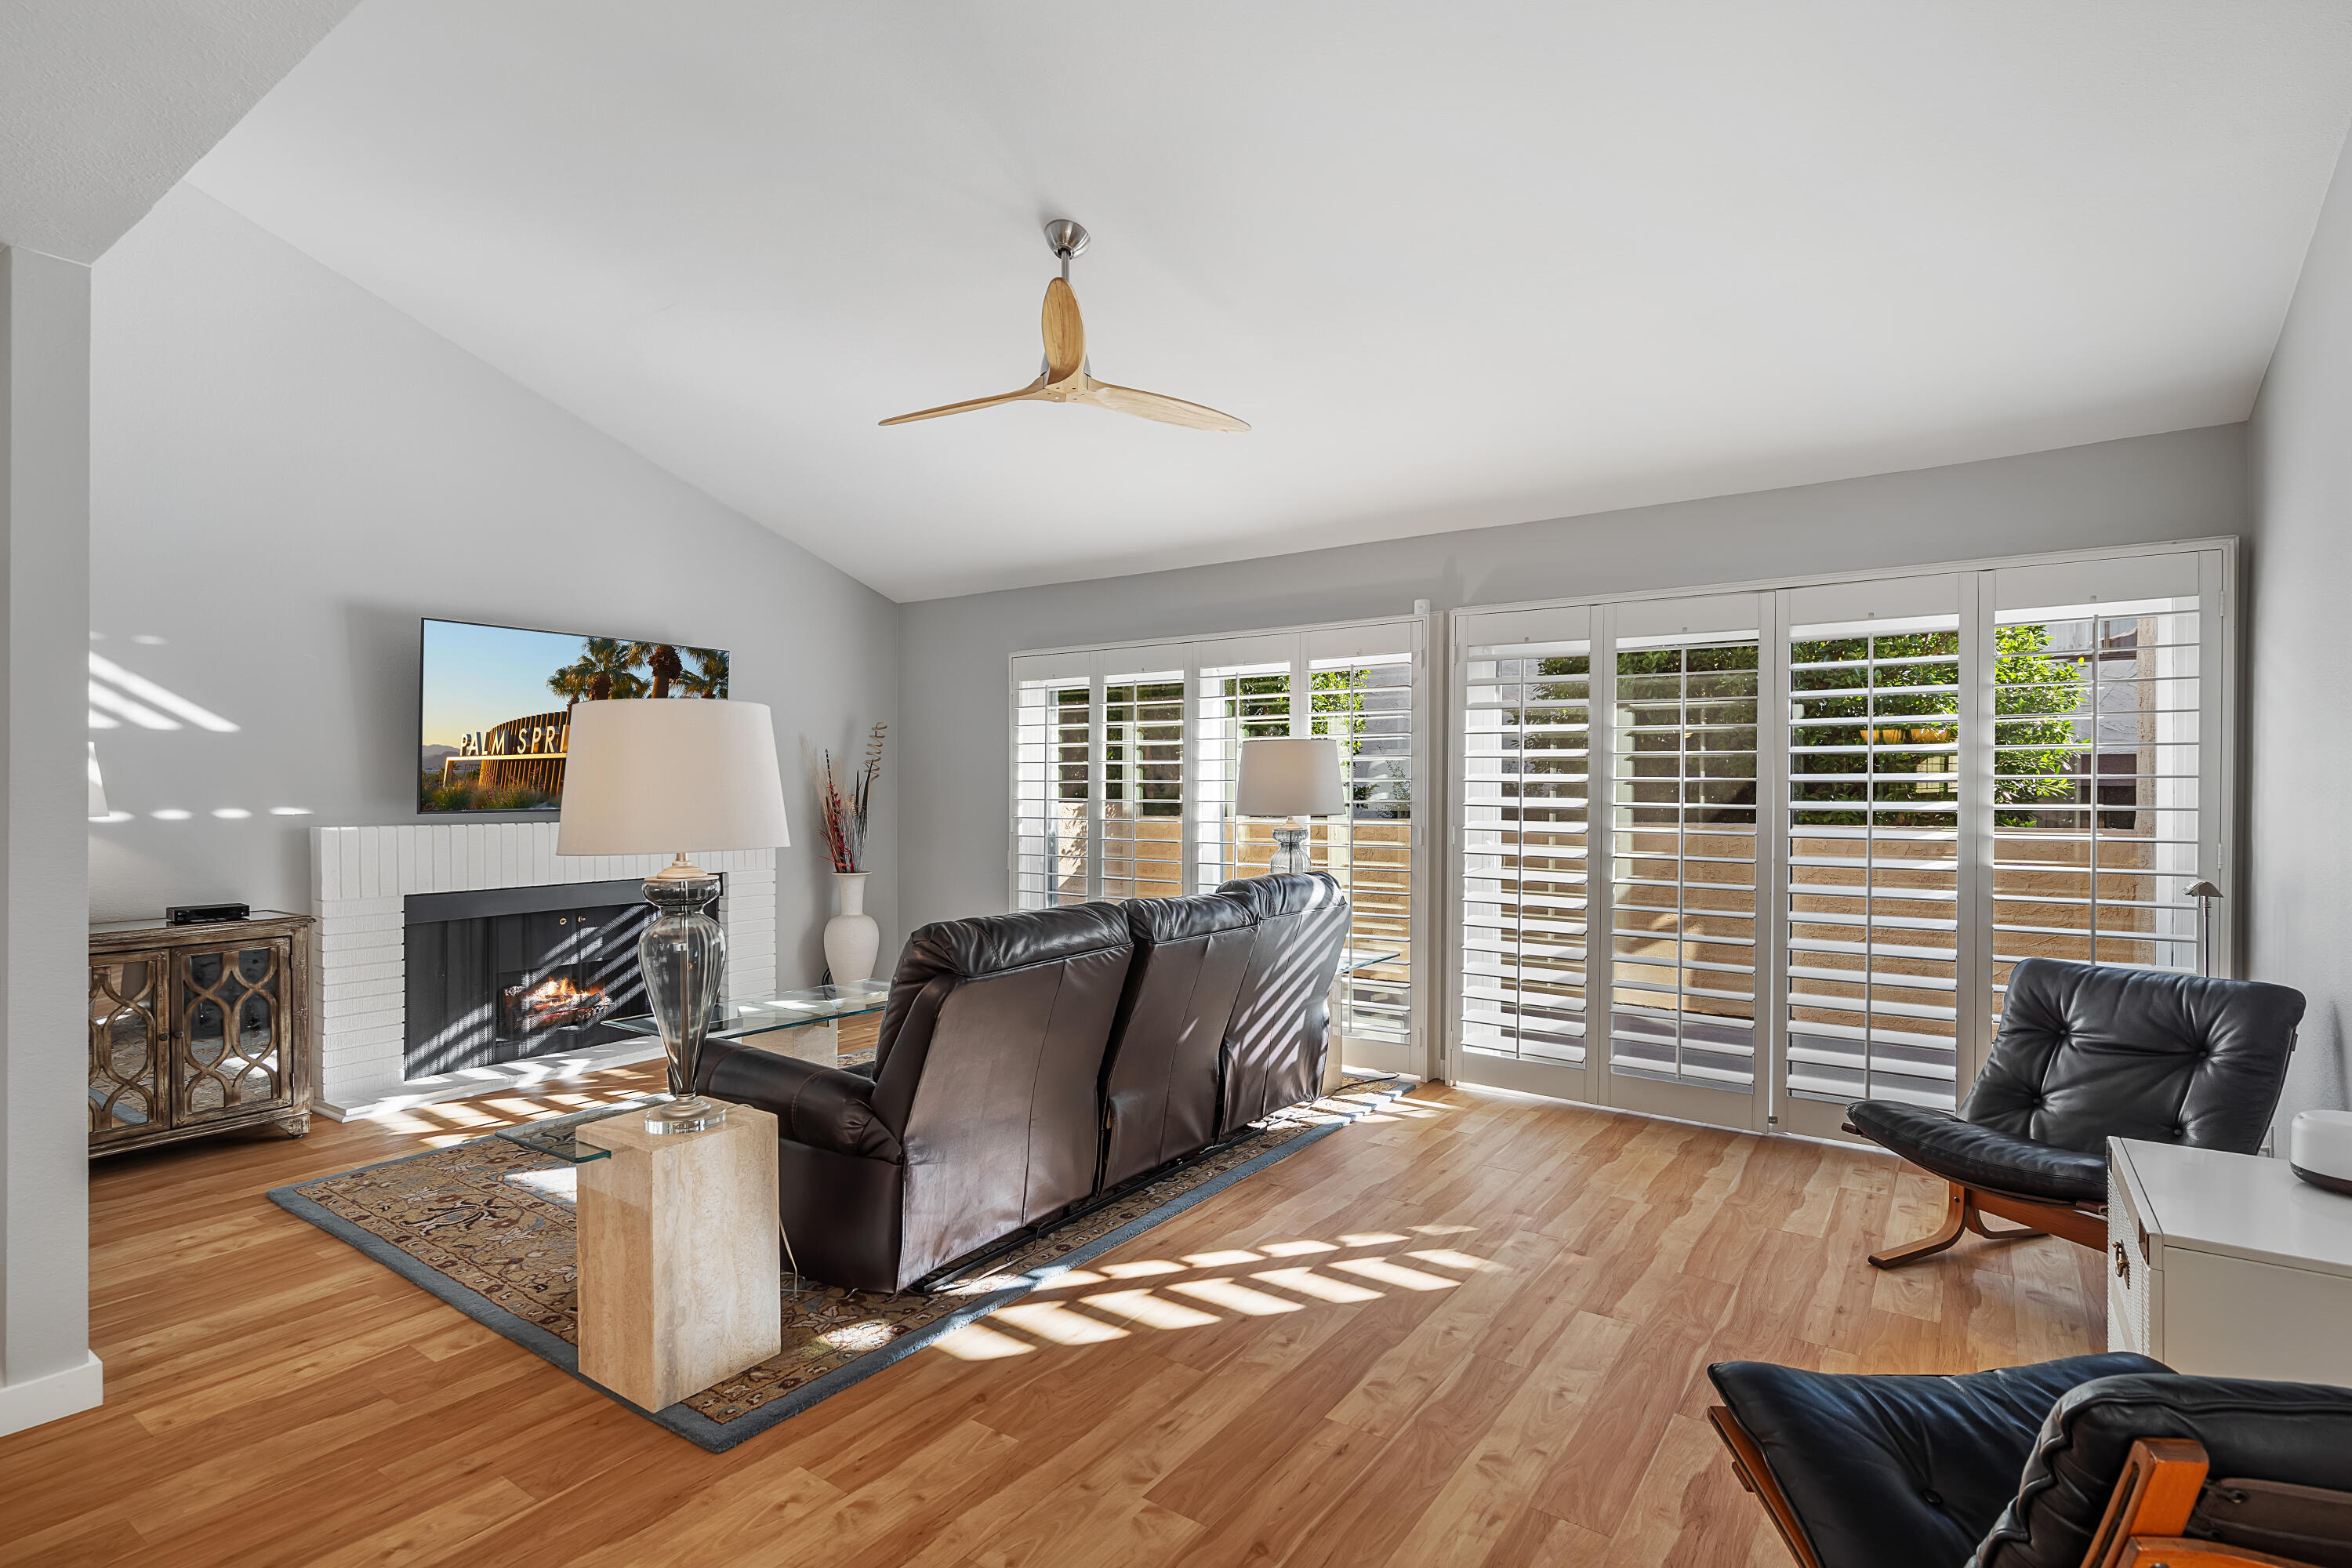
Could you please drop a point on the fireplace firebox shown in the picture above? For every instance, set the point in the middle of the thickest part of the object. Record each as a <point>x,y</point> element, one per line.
<point>512,973</point>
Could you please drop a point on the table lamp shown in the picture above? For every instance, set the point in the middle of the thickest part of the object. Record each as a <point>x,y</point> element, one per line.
<point>661,775</point>
<point>1283,776</point>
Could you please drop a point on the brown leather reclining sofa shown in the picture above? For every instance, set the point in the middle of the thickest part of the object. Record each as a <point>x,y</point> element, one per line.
<point>1028,1062</point>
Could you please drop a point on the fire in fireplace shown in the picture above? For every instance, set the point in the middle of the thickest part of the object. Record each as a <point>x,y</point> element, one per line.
<point>564,999</point>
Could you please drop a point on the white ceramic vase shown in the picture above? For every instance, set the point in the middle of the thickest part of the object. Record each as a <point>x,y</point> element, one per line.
<point>852,940</point>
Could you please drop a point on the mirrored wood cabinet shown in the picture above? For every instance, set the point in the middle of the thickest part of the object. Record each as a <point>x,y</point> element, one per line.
<point>199,1029</point>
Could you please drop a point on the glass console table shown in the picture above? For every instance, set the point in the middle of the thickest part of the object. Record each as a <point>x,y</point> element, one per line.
<point>826,1004</point>
<point>765,1022</point>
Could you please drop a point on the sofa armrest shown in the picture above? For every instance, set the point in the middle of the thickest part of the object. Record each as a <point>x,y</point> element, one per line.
<point>821,1107</point>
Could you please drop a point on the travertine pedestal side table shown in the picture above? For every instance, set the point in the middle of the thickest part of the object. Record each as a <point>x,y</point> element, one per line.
<point>679,1269</point>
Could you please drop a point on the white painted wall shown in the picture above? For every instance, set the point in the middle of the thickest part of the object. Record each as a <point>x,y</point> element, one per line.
<point>288,473</point>
<point>46,1367</point>
<point>2189,484</point>
<point>2299,720</point>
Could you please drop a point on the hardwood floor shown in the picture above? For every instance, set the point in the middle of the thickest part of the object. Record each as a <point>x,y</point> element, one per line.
<point>1471,1330</point>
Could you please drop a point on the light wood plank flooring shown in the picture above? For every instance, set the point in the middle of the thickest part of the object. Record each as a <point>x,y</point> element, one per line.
<point>1473,1331</point>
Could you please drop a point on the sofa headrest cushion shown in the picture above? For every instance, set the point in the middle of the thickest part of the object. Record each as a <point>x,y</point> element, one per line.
<point>1153,921</point>
<point>1290,893</point>
<point>990,944</point>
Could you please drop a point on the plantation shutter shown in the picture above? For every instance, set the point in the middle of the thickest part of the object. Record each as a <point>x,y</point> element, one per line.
<point>1363,700</point>
<point>1142,762</point>
<point>1237,702</point>
<point>1053,792</point>
<point>1684,838</point>
<point>2106,756</point>
<point>1522,896</point>
<point>1874,821</point>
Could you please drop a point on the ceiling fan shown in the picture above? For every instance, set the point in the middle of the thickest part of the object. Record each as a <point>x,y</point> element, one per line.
<point>1064,378</point>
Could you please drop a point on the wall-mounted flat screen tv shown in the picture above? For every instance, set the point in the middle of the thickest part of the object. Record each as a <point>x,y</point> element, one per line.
<point>496,706</point>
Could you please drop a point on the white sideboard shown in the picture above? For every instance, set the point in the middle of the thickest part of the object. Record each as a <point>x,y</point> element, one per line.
<point>2227,1265</point>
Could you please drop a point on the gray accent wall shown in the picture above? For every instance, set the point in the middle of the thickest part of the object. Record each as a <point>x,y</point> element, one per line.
<point>954,806</point>
<point>2299,713</point>
<point>288,474</point>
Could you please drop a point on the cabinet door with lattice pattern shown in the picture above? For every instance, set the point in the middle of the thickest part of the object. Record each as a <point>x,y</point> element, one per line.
<point>127,1072</point>
<point>233,1038</point>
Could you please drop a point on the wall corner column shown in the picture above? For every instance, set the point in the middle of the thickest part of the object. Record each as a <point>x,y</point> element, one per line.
<point>47,1370</point>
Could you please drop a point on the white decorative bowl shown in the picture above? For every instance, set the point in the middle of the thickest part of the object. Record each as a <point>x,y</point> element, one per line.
<point>2319,1147</point>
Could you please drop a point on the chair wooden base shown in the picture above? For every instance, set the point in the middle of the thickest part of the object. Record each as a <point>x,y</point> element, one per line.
<point>1965,1209</point>
<point>1755,1477</point>
<point>2141,1529</point>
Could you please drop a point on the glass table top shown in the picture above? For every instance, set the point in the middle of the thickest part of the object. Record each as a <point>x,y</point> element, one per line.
<point>786,1010</point>
<point>559,1135</point>
<point>1351,961</point>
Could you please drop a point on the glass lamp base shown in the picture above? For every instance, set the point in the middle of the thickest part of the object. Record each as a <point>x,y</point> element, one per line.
<point>683,956</point>
<point>693,1114</point>
<point>1290,852</point>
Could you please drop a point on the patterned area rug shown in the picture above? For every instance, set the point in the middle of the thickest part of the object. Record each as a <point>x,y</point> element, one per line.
<point>488,1226</point>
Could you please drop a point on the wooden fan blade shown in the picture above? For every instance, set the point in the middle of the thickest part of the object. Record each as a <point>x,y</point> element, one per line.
<point>1065,331</point>
<point>1031,390</point>
<point>1167,410</point>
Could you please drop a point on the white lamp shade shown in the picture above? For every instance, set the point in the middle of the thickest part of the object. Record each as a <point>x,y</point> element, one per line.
<point>1286,777</point>
<point>98,811</point>
<point>664,775</point>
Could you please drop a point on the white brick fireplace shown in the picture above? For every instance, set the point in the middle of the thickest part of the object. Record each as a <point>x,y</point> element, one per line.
<point>360,876</point>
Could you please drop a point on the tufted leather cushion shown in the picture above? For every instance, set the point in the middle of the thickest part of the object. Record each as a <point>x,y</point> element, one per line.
<point>2088,1052</point>
<point>1888,1470</point>
<point>1938,1142</point>
<point>2298,1433</point>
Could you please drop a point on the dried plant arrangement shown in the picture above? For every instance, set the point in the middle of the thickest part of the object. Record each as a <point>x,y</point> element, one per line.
<point>845,815</point>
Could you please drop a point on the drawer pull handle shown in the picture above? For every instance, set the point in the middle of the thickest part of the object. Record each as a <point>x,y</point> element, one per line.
<point>2123,1264</point>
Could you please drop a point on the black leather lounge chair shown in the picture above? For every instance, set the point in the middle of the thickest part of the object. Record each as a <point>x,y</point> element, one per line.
<point>2098,1461</point>
<point>2088,1052</point>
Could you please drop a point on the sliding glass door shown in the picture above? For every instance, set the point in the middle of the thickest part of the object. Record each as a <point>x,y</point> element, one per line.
<point>1607,774</point>
<point>1830,817</point>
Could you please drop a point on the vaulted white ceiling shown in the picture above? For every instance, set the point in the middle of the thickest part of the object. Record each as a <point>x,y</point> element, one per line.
<point>1458,265</point>
<point>103,107</point>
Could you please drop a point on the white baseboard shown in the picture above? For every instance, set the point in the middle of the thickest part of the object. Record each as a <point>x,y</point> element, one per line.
<point>390,1098</point>
<point>39,1399</point>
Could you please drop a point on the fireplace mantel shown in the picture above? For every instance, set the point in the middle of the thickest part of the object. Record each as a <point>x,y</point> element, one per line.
<point>360,876</point>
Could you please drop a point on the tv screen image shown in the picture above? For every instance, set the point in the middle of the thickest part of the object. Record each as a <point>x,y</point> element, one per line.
<point>497,707</point>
